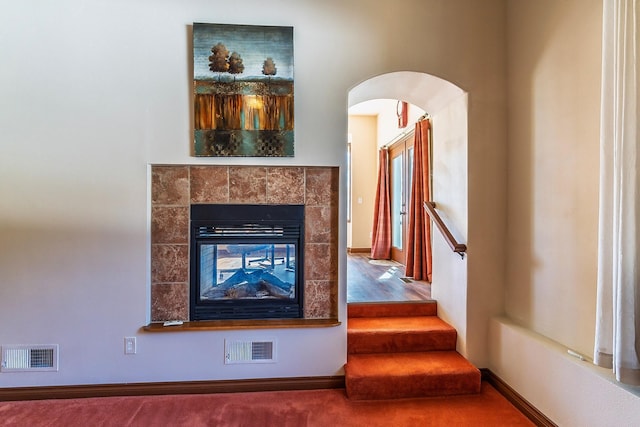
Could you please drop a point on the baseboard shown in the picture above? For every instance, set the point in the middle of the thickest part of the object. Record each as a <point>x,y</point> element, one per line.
<point>359,250</point>
<point>235,386</point>
<point>160,388</point>
<point>530,411</point>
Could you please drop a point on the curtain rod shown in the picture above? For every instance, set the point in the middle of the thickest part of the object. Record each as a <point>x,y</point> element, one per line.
<point>398,138</point>
<point>405,133</point>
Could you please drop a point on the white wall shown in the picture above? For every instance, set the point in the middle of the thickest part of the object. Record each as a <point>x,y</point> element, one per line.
<point>450,189</point>
<point>554,99</point>
<point>94,92</point>
<point>569,391</point>
<point>554,60</point>
<point>364,174</point>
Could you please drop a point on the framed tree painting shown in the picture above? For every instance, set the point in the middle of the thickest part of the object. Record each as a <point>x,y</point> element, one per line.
<point>243,90</point>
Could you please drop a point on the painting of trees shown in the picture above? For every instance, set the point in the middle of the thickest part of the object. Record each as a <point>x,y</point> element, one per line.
<point>221,62</point>
<point>219,59</point>
<point>269,68</point>
<point>243,104</point>
<point>235,64</point>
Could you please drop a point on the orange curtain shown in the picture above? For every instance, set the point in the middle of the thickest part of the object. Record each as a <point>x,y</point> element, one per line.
<point>418,263</point>
<point>381,237</point>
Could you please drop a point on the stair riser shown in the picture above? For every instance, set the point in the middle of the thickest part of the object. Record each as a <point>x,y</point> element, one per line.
<point>392,309</point>
<point>370,388</point>
<point>400,342</point>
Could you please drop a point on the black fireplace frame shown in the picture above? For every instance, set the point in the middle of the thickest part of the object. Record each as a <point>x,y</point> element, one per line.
<point>241,224</point>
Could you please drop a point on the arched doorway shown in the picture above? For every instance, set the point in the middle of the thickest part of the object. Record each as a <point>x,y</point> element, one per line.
<point>425,93</point>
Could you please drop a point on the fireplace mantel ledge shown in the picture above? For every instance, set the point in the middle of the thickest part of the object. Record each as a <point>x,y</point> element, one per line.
<point>217,325</point>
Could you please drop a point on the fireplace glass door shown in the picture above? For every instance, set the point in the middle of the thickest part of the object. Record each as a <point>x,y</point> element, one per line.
<point>247,271</point>
<point>246,263</point>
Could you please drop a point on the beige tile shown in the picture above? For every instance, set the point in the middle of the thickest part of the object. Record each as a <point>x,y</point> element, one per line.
<point>169,224</point>
<point>321,186</point>
<point>170,302</point>
<point>169,263</point>
<point>209,184</point>
<point>247,185</point>
<point>317,300</point>
<point>170,185</point>
<point>319,262</point>
<point>285,186</point>
<point>318,224</point>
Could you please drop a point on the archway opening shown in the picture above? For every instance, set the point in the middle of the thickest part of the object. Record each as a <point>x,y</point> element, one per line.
<point>373,123</point>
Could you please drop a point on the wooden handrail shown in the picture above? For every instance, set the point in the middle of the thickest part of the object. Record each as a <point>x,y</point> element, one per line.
<point>459,248</point>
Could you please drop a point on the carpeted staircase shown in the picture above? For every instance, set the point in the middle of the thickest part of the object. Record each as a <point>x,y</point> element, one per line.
<point>401,350</point>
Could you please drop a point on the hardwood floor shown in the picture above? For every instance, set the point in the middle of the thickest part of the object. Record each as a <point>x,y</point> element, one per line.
<point>378,281</point>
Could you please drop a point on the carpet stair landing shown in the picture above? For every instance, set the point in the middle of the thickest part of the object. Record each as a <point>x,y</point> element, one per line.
<point>403,350</point>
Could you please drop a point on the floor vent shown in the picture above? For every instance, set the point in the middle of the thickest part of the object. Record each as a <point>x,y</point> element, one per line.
<point>249,352</point>
<point>29,358</point>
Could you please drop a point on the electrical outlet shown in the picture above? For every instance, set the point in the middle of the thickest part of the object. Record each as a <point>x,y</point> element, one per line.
<point>129,345</point>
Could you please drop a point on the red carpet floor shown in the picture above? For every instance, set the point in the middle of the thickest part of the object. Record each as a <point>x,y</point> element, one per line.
<point>308,408</point>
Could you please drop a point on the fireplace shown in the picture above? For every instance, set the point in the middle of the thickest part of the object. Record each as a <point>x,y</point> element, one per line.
<point>175,188</point>
<point>246,261</point>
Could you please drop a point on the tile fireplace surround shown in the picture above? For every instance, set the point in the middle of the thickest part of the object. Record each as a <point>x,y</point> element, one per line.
<point>175,188</point>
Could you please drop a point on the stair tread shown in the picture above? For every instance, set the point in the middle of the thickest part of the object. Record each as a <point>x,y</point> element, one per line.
<point>430,363</point>
<point>404,323</point>
<point>399,334</point>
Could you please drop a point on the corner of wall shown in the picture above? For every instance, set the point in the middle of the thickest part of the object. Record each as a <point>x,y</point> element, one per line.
<point>564,388</point>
